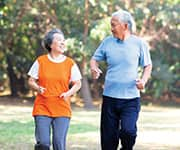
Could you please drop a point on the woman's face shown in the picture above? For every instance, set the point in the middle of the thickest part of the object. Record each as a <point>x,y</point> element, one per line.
<point>58,43</point>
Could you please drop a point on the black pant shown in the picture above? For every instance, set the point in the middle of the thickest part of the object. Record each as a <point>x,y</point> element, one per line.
<point>118,121</point>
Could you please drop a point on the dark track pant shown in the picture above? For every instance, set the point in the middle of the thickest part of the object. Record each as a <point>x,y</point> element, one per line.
<point>118,121</point>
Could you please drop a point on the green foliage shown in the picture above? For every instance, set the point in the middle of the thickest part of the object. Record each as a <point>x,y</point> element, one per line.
<point>101,30</point>
<point>75,48</point>
<point>163,77</point>
<point>24,23</point>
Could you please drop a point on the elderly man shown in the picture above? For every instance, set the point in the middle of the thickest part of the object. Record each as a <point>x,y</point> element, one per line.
<point>123,52</point>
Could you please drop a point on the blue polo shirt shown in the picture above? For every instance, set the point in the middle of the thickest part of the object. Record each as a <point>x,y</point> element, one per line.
<point>123,59</point>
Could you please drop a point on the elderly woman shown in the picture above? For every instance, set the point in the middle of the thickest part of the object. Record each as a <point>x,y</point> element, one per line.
<point>50,76</point>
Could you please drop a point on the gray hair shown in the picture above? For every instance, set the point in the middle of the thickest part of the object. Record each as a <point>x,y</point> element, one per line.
<point>125,17</point>
<point>47,41</point>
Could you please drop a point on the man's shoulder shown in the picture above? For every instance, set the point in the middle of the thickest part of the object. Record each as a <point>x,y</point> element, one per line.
<point>108,38</point>
<point>140,39</point>
<point>136,38</point>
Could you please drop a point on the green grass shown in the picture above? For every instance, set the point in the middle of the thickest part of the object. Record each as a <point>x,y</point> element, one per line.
<point>17,128</point>
<point>82,128</point>
<point>16,131</point>
<point>157,126</point>
<point>84,121</point>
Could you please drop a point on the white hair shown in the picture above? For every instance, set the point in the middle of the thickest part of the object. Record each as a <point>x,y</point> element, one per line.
<point>126,17</point>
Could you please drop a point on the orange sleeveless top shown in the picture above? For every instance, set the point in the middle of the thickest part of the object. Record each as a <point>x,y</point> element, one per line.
<point>55,77</point>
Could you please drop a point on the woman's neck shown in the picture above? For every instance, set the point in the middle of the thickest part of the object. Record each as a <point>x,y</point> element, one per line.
<point>55,55</point>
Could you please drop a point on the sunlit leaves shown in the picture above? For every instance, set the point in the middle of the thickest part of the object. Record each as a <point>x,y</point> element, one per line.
<point>157,19</point>
<point>101,30</point>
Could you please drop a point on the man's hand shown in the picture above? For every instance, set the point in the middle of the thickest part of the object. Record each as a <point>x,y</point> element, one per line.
<point>140,84</point>
<point>95,72</point>
<point>94,69</point>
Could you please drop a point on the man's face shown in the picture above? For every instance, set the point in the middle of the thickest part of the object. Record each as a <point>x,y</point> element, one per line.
<point>118,28</point>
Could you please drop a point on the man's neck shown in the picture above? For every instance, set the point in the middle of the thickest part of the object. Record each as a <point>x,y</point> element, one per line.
<point>126,36</point>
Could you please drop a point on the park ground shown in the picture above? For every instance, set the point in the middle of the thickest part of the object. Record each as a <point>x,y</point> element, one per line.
<point>159,127</point>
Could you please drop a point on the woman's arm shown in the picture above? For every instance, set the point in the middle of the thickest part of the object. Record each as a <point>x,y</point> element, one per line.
<point>34,85</point>
<point>76,86</point>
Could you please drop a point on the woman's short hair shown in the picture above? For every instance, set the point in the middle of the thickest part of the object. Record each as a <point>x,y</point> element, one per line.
<point>47,41</point>
<point>126,17</point>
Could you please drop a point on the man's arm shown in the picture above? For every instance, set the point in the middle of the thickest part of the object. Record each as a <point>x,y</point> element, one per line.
<point>94,65</point>
<point>140,83</point>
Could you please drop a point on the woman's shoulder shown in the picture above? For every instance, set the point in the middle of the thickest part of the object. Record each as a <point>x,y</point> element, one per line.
<point>42,57</point>
<point>70,60</point>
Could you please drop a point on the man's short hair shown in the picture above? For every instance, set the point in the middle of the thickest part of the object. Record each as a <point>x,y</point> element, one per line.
<point>125,17</point>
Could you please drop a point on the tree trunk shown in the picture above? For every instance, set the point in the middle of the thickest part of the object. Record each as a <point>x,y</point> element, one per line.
<point>8,41</point>
<point>95,89</point>
<point>39,50</point>
<point>86,94</point>
<point>12,76</point>
<point>85,90</point>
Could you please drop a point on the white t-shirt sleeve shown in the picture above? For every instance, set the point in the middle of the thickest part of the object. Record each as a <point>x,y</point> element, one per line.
<point>34,70</point>
<point>75,73</point>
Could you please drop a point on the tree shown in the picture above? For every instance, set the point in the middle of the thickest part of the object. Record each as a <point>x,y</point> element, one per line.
<point>85,23</point>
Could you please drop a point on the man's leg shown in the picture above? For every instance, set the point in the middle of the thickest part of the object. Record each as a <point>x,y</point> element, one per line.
<point>109,125</point>
<point>129,117</point>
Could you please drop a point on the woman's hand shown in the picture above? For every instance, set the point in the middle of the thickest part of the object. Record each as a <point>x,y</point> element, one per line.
<point>41,90</point>
<point>34,85</point>
<point>65,95</point>
<point>76,86</point>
